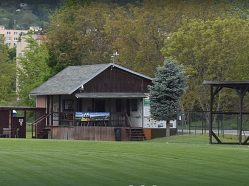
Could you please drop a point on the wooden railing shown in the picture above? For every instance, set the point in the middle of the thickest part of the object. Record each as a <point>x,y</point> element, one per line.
<point>68,119</point>
<point>38,125</point>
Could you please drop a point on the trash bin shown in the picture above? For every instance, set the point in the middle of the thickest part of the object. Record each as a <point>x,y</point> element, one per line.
<point>117,132</point>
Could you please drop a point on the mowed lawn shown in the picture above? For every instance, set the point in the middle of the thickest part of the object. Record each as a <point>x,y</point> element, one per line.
<point>182,160</point>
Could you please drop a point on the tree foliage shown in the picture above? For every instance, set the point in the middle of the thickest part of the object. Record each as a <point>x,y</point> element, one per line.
<point>32,70</point>
<point>210,50</point>
<point>167,87</point>
<point>81,39</point>
<point>84,32</point>
<point>7,76</point>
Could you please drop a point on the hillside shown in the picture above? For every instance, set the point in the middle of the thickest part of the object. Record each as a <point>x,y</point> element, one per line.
<point>23,14</point>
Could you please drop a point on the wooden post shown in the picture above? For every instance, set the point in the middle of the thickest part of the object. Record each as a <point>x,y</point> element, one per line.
<point>142,112</point>
<point>242,93</point>
<point>52,110</point>
<point>167,128</point>
<point>240,119</point>
<point>60,110</point>
<point>211,114</point>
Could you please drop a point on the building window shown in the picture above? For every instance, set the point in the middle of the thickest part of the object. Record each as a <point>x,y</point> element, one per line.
<point>134,103</point>
<point>8,33</point>
<point>68,104</point>
<point>14,44</point>
<point>15,38</point>
<point>15,33</point>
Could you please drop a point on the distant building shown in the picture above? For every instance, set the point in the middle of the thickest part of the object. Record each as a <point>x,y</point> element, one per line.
<point>11,37</point>
<point>22,44</point>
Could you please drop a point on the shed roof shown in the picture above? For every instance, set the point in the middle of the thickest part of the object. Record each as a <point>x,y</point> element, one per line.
<point>73,77</point>
<point>228,84</point>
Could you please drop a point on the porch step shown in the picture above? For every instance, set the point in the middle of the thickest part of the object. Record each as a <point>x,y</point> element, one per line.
<point>43,134</point>
<point>136,134</point>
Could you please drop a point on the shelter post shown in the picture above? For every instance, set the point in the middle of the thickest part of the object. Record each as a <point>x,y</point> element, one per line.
<point>211,114</point>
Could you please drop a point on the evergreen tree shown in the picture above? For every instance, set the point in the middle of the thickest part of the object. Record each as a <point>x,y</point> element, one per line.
<point>167,87</point>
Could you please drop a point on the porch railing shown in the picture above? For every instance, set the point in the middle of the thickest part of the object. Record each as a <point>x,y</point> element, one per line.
<point>68,119</point>
<point>39,124</point>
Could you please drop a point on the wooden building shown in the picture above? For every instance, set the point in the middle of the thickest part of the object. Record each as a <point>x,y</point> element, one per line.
<point>97,102</point>
<point>13,120</point>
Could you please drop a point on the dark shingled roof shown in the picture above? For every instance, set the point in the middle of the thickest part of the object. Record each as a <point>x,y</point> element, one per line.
<point>73,77</point>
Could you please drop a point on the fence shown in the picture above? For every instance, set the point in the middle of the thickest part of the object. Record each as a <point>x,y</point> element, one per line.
<point>197,122</point>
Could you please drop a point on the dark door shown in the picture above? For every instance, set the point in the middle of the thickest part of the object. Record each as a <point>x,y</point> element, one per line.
<point>19,127</point>
<point>4,118</point>
<point>99,105</point>
<point>128,109</point>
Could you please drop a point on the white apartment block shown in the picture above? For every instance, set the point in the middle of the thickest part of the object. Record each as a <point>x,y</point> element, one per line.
<point>11,37</point>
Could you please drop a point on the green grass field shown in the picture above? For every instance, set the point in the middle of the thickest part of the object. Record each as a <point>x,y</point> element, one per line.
<point>181,160</point>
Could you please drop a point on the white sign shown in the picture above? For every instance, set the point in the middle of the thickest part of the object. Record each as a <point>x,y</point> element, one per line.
<point>20,121</point>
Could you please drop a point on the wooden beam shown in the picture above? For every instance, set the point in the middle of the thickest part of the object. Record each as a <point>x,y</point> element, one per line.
<point>216,137</point>
<point>217,90</point>
<point>245,142</point>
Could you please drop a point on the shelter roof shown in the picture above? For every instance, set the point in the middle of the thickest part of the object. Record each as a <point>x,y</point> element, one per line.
<point>20,108</point>
<point>228,84</point>
<point>73,77</point>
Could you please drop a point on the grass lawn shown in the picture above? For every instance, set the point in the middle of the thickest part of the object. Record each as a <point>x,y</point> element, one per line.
<point>181,160</point>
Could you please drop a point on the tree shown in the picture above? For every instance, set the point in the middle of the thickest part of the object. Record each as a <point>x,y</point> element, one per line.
<point>7,76</point>
<point>85,32</point>
<point>210,50</point>
<point>32,70</point>
<point>167,87</point>
<point>81,39</point>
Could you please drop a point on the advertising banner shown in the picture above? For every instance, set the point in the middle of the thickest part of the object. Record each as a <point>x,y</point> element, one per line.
<point>92,116</point>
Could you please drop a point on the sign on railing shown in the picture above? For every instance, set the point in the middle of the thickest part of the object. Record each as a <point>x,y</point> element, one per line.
<point>92,116</point>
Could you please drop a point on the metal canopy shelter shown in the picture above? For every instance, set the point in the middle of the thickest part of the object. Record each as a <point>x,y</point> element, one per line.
<point>241,87</point>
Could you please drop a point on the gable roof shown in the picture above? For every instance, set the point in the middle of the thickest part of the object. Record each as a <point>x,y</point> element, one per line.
<point>73,77</point>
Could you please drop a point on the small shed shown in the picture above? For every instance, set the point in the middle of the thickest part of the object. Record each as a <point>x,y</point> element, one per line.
<point>13,120</point>
<point>98,102</point>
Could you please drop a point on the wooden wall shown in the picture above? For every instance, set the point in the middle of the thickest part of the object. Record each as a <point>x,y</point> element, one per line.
<point>4,120</point>
<point>87,133</point>
<point>41,101</point>
<point>117,80</point>
<point>151,133</point>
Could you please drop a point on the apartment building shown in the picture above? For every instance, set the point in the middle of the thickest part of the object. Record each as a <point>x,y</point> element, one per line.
<point>11,37</point>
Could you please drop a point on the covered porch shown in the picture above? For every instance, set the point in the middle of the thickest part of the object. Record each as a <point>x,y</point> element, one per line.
<point>99,116</point>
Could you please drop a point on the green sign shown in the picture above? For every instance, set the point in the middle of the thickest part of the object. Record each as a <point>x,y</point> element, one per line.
<point>146,101</point>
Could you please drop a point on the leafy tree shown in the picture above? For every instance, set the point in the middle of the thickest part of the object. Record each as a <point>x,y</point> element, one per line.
<point>12,53</point>
<point>32,70</point>
<point>167,87</point>
<point>7,76</point>
<point>80,39</point>
<point>87,32</point>
<point>210,50</point>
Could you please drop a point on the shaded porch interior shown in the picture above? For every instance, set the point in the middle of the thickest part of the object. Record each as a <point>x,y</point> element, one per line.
<point>62,121</point>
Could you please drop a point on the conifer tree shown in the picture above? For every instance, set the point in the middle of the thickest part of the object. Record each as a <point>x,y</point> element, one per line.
<point>167,88</point>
